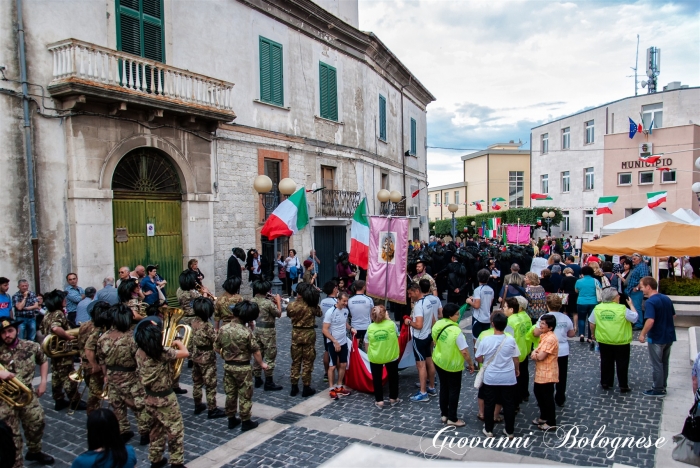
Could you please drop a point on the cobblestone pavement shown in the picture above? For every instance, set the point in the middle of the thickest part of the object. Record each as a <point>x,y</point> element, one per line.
<point>587,405</point>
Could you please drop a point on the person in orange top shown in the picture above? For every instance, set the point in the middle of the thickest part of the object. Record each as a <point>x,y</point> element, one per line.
<point>546,373</point>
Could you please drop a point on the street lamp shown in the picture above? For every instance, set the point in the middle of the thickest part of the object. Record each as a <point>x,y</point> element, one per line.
<point>473,223</point>
<point>263,184</point>
<point>389,201</point>
<point>548,218</point>
<point>696,185</point>
<point>453,209</point>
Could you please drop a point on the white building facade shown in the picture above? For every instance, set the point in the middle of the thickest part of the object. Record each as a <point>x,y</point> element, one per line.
<point>568,154</point>
<point>157,116</point>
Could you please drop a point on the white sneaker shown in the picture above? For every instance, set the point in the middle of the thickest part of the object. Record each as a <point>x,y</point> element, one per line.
<point>486,433</point>
<point>510,436</point>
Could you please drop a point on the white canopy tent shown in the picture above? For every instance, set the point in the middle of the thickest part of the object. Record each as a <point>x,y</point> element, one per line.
<point>642,218</point>
<point>696,222</point>
<point>687,215</point>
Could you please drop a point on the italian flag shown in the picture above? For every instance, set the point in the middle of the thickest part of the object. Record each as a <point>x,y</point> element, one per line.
<point>605,205</point>
<point>655,199</point>
<point>494,203</point>
<point>290,217</point>
<point>359,240</point>
<point>651,159</point>
<point>540,196</point>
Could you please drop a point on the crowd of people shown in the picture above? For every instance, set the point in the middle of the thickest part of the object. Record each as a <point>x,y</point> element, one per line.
<point>516,318</point>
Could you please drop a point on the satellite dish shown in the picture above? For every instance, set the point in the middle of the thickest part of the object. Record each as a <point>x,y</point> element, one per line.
<point>644,84</point>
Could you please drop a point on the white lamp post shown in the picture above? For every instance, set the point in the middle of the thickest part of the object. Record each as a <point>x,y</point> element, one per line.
<point>453,209</point>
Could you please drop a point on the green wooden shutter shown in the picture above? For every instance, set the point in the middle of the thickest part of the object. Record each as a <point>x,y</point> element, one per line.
<point>329,92</point>
<point>271,75</point>
<point>140,28</point>
<point>382,117</point>
<point>413,137</point>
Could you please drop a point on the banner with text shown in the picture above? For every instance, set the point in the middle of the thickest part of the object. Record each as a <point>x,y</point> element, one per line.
<point>388,256</point>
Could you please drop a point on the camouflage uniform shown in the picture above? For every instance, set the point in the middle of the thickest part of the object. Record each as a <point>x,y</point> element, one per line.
<point>237,344</point>
<point>93,381</point>
<point>62,366</point>
<point>222,309</point>
<point>162,406</point>
<point>204,357</point>
<point>24,357</point>
<point>116,351</point>
<point>417,278</point>
<point>135,306</point>
<point>266,334</point>
<point>303,340</point>
<point>185,299</point>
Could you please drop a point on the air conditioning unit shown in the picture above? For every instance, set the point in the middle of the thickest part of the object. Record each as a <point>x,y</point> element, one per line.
<point>412,211</point>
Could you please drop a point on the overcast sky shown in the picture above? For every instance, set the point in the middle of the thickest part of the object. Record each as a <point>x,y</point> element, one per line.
<point>498,68</point>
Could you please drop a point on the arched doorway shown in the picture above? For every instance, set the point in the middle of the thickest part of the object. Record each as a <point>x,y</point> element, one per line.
<point>147,215</point>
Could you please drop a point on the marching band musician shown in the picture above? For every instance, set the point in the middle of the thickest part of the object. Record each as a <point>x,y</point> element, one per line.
<point>188,291</point>
<point>266,333</point>
<point>129,293</point>
<point>92,372</point>
<point>303,312</point>
<point>20,358</point>
<point>236,344</point>
<point>55,322</point>
<point>115,353</point>
<point>204,358</point>
<point>225,302</point>
<point>155,364</point>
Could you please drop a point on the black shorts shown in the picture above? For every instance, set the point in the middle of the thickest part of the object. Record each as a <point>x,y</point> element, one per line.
<point>360,335</point>
<point>478,327</point>
<point>422,349</point>
<point>337,357</point>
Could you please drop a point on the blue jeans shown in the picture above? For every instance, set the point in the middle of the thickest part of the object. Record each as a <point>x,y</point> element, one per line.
<point>637,298</point>
<point>27,328</point>
<point>584,310</point>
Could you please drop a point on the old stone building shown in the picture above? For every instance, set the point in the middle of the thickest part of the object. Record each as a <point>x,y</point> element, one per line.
<point>149,119</point>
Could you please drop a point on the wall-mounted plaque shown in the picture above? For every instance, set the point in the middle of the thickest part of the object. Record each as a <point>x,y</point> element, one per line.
<point>121,235</point>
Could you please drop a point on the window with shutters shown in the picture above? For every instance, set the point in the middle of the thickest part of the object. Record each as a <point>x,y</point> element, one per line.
<point>329,91</point>
<point>271,76</point>
<point>382,118</point>
<point>140,28</point>
<point>413,137</point>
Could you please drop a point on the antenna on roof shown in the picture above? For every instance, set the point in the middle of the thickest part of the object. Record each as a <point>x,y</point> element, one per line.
<point>636,64</point>
<point>653,68</point>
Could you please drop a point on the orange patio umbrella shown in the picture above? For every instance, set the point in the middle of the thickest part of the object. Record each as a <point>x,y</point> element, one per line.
<point>658,240</point>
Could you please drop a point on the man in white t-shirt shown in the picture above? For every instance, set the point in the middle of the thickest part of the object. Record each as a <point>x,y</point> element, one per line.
<point>360,306</point>
<point>481,304</point>
<point>431,299</point>
<point>499,353</point>
<point>335,329</point>
<point>563,331</point>
<point>331,291</point>
<point>421,322</point>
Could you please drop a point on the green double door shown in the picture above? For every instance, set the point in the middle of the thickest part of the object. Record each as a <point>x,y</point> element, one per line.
<point>162,248</point>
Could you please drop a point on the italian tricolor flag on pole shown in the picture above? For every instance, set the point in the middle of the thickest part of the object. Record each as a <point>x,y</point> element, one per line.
<point>654,199</point>
<point>290,217</point>
<point>605,205</point>
<point>359,232</point>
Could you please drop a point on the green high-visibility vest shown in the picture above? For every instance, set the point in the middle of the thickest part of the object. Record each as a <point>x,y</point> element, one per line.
<point>447,355</point>
<point>521,323</point>
<point>383,343</point>
<point>611,327</point>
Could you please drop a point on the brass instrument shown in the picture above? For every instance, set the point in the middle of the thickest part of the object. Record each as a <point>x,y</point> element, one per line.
<point>15,393</point>
<point>284,301</point>
<point>78,377</point>
<point>56,347</point>
<point>173,330</point>
<point>205,294</point>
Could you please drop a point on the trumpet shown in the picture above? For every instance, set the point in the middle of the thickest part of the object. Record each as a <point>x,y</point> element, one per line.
<point>15,393</point>
<point>56,347</point>
<point>284,301</point>
<point>201,291</point>
<point>172,331</point>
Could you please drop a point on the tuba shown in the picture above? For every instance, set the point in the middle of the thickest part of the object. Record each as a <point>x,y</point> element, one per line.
<point>15,393</point>
<point>172,331</point>
<point>56,347</point>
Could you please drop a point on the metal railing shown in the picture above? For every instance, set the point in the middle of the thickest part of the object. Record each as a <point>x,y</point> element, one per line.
<point>336,203</point>
<point>75,60</point>
<point>398,209</point>
<point>270,201</point>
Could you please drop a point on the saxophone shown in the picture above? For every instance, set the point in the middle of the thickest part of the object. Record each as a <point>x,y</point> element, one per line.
<point>57,347</point>
<point>15,393</point>
<point>172,331</point>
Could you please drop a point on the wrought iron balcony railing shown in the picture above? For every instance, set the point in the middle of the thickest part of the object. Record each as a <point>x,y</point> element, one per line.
<point>399,209</point>
<point>336,203</point>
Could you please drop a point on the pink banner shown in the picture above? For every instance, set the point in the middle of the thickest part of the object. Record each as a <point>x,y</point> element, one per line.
<point>388,254</point>
<point>518,234</point>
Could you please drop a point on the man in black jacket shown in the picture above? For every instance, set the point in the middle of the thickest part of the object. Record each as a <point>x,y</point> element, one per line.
<point>258,267</point>
<point>456,281</point>
<point>234,267</point>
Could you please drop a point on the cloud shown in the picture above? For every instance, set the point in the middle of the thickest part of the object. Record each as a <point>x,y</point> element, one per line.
<point>500,68</point>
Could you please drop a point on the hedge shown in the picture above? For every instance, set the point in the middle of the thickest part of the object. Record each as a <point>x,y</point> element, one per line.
<point>680,286</point>
<point>443,227</point>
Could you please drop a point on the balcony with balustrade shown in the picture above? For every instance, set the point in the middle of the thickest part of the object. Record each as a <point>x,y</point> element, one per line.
<point>336,203</point>
<point>82,69</point>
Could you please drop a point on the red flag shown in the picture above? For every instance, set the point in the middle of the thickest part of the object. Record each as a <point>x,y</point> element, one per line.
<point>415,194</point>
<point>640,129</point>
<point>662,169</point>
<point>358,375</point>
<point>650,159</point>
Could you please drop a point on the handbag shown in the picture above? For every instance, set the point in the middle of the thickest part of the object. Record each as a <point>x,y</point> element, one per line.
<point>691,427</point>
<point>598,291</point>
<point>684,451</point>
<point>479,380</point>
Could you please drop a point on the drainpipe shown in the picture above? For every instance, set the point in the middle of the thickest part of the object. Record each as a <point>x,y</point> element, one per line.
<point>403,138</point>
<point>28,145</point>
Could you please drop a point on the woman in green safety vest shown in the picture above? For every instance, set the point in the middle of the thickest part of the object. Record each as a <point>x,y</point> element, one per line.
<point>383,351</point>
<point>611,326</point>
<point>451,350</point>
